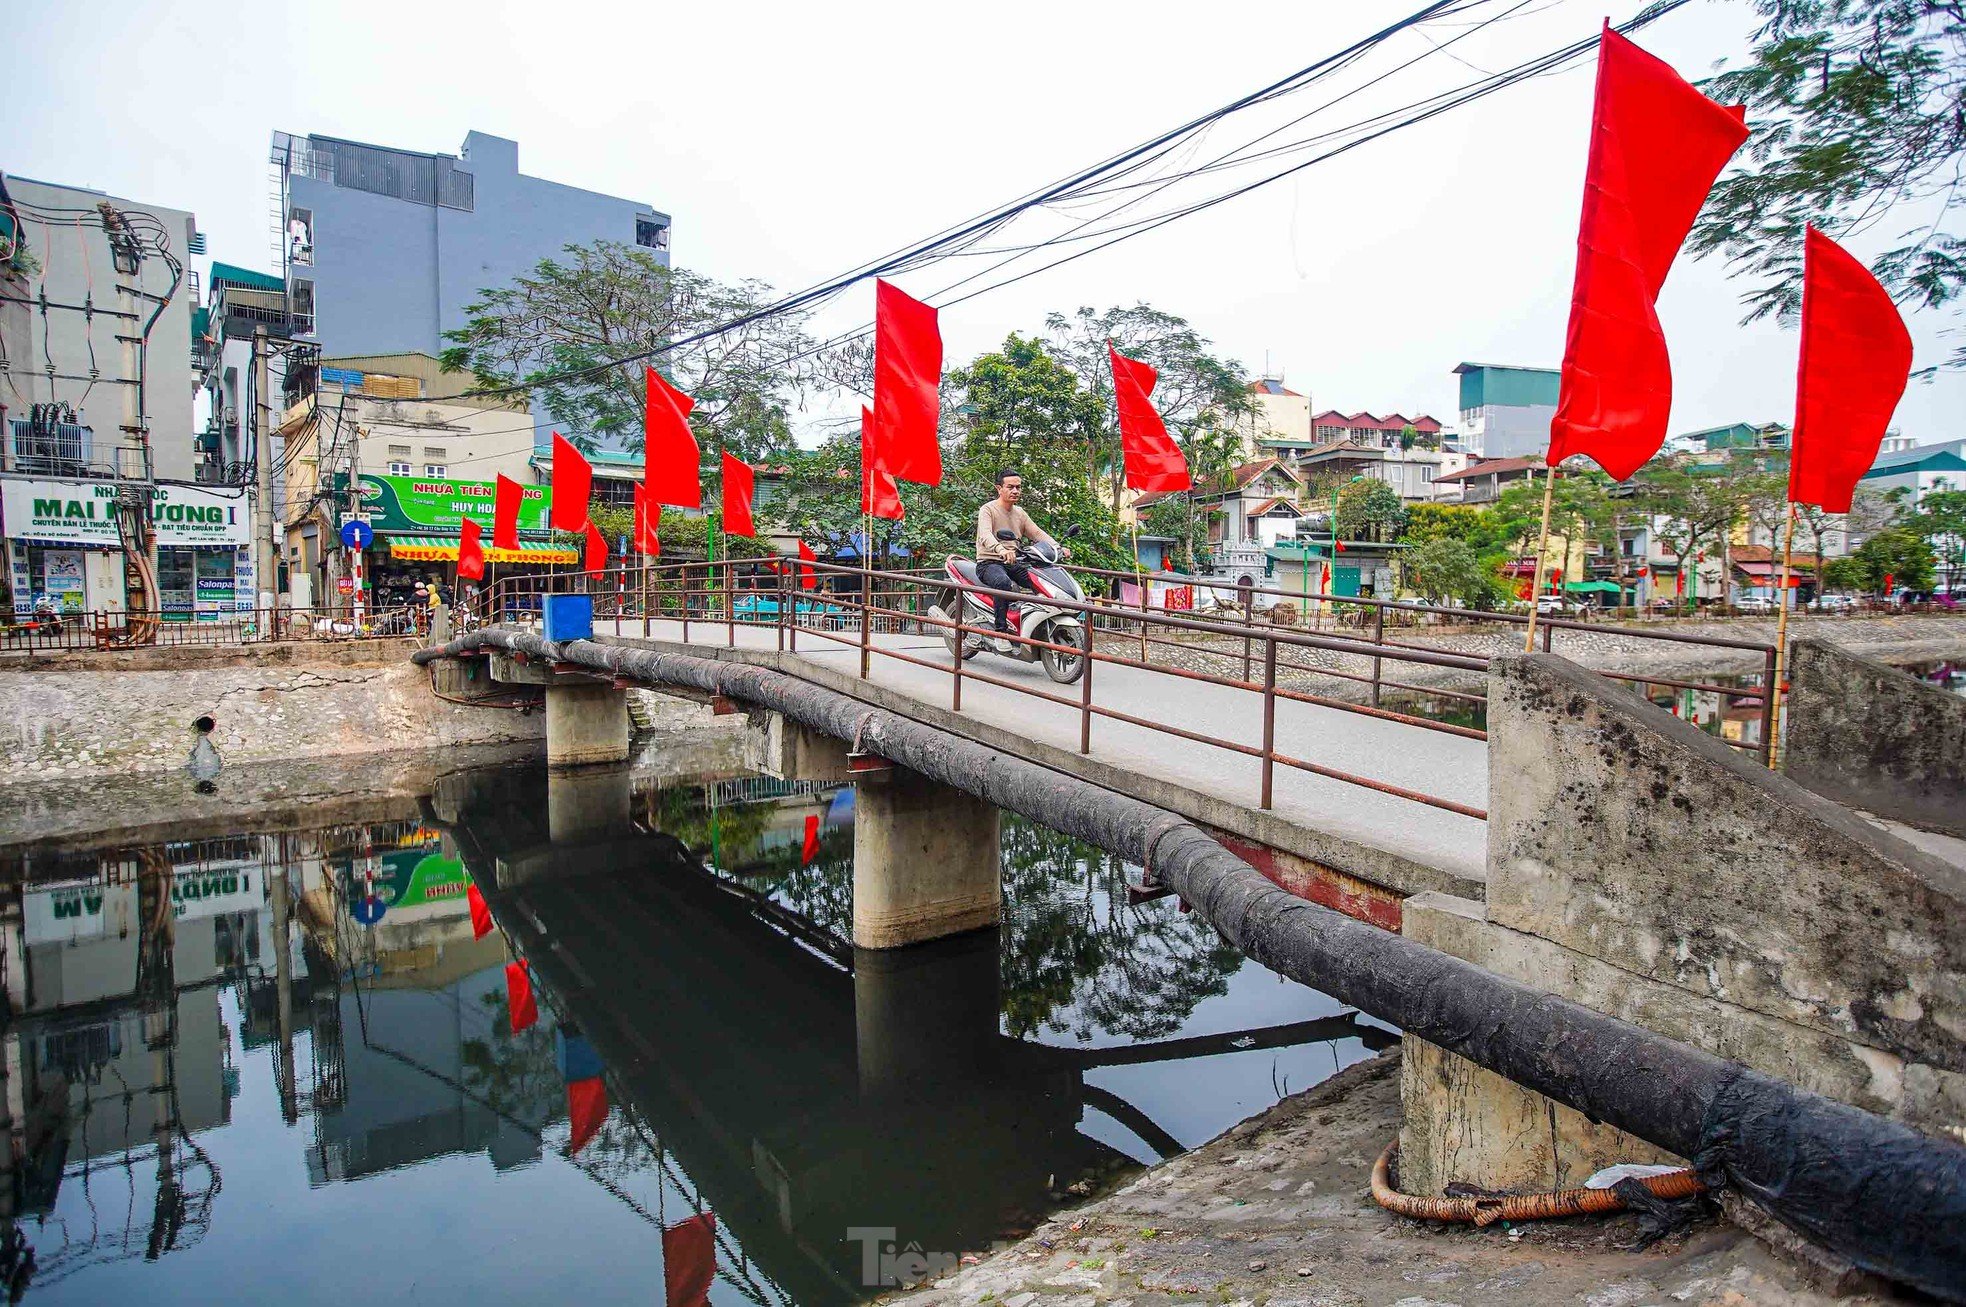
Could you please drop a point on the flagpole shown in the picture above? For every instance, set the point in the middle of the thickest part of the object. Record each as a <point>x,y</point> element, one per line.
<point>1542,544</point>
<point>1140,579</point>
<point>1774,692</point>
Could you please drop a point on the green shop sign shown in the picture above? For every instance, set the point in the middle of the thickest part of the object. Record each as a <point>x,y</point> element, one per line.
<point>434,505</point>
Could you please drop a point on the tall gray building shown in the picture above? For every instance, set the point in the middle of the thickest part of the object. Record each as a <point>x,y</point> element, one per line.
<point>383,248</point>
<point>1506,410</point>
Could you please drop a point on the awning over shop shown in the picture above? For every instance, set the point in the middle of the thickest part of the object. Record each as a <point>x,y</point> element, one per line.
<point>1592,587</point>
<point>443,549</point>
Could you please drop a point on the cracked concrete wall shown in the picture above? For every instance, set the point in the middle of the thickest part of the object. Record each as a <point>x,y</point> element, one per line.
<point>1643,868</point>
<point>1868,734</point>
<point>71,723</point>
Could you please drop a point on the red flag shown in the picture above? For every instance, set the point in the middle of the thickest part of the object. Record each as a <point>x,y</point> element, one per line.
<point>1888,579</point>
<point>907,384</point>
<point>811,848</point>
<point>573,486</point>
<point>648,524</point>
<point>669,451</point>
<point>481,918</point>
<point>689,1261</point>
<point>739,486</point>
<point>597,550</point>
<point>1337,544</point>
<point>519,1003</point>
<point>587,1108</point>
<point>1153,462</point>
<point>1656,146</point>
<point>505,513</point>
<point>470,554</point>
<point>879,495</point>
<point>1856,359</point>
<point>808,578</point>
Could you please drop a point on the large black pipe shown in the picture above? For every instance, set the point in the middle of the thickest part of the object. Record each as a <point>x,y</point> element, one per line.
<point>1889,1199</point>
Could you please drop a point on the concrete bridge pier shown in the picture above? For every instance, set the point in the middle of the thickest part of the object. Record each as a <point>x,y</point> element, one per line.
<point>588,804</point>
<point>586,719</point>
<point>926,861</point>
<point>926,1016</point>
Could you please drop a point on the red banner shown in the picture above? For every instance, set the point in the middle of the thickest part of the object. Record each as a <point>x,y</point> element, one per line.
<point>689,1261</point>
<point>470,553</point>
<point>597,550</point>
<point>587,1109</point>
<point>907,384</point>
<point>1656,146</point>
<point>481,917</point>
<point>740,484</point>
<point>505,513</point>
<point>810,849</point>
<point>519,1002</point>
<point>1856,359</point>
<point>1154,463</point>
<point>573,486</point>
<point>670,458</point>
<point>879,495</point>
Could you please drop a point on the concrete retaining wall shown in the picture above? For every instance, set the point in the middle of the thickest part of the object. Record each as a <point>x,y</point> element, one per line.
<point>1873,736</point>
<point>73,723</point>
<point>1646,870</point>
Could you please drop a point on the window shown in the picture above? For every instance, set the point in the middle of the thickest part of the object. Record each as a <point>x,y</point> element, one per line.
<point>399,461</point>
<point>651,234</point>
<point>303,303</point>
<point>435,453</point>
<point>435,470</point>
<point>399,469</point>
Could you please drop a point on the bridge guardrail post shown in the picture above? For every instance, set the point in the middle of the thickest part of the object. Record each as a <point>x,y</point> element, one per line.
<point>1085,693</point>
<point>730,599</point>
<point>1269,716</point>
<point>1248,621</point>
<point>866,615</point>
<point>1378,640</point>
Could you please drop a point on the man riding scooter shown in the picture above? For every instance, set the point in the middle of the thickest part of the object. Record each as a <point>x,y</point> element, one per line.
<point>996,556</point>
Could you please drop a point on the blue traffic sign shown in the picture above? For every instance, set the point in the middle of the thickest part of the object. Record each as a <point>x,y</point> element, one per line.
<point>368,910</point>
<point>357,534</point>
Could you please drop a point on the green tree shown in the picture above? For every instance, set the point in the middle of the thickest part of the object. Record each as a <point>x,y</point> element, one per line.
<point>1940,520</point>
<point>1896,552</point>
<point>1694,508</point>
<point>552,335</point>
<point>1201,397</point>
<point>1369,509</point>
<point>1444,569</point>
<point>1858,115</point>
<point>1468,523</point>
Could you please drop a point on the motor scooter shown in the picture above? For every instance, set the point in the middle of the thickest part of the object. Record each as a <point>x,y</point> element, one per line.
<point>1031,618</point>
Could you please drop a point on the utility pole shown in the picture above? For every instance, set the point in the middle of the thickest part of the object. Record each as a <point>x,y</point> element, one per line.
<point>264,557</point>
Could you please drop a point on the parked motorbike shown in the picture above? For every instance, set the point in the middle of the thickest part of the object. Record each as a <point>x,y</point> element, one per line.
<point>1031,618</point>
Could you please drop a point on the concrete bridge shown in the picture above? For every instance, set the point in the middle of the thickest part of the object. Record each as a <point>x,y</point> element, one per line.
<point>1629,888</point>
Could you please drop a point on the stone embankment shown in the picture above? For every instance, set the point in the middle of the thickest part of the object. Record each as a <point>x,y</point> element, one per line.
<point>1620,646</point>
<point>1278,1212</point>
<point>78,715</point>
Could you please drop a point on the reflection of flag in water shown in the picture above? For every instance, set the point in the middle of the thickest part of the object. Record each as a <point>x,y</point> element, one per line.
<point>481,921</point>
<point>689,1260</point>
<point>519,1002</point>
<point>587,1108</point>
<point>811,848</point>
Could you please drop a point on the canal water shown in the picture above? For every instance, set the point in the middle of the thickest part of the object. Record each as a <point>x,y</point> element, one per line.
<point>281,1064</point>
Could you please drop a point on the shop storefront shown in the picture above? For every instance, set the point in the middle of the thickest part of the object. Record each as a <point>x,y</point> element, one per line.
<point>62,544</point>
<point>418,526</point>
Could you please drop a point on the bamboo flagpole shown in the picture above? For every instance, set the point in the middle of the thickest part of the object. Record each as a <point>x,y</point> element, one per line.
<point>1774,691</point>
<point>1542,544</point>
<point>1140,580</point>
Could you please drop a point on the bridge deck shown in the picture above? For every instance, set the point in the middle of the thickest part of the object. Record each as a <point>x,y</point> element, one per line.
<point>1381,838</point>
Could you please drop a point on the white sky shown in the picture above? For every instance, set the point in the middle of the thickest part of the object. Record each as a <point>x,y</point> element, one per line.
<point>791,142</point>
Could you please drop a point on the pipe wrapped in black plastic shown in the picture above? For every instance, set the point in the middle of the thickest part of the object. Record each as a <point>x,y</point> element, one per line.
<point>1889,1199</point>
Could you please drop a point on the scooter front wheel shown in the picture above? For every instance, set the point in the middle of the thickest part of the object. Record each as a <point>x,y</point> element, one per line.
<point>1061,667</point>
<point>952,639</point>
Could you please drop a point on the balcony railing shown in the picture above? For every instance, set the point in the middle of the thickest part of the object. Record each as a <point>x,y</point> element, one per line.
<point>67,449</point>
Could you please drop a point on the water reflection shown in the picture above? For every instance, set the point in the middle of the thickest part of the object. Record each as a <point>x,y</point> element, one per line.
<point>227,1056</point>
